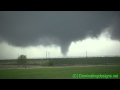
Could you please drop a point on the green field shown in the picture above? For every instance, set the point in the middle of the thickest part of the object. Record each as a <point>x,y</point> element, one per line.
<point>58,72</point>
<point>61,68</point>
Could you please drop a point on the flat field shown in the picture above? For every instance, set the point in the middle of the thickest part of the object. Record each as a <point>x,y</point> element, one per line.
<point>65,68</point>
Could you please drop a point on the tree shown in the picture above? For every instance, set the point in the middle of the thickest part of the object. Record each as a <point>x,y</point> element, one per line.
<point>22,60</point>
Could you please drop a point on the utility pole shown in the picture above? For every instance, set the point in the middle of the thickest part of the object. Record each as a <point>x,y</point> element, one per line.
<point>49,54</point>
<point>86,54</point>
<point>18,56</point>
<point>46,54</point>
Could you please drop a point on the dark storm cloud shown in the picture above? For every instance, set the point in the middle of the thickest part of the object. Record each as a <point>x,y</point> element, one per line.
<point>25,28</point>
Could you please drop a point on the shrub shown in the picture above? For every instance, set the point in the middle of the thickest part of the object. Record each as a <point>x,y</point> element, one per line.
<point>50,63</point>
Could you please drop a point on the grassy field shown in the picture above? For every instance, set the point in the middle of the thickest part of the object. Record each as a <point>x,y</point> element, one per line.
<point>59,72</point>
<point>65,68</point>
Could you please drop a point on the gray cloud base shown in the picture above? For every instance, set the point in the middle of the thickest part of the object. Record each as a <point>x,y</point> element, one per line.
<point>31,28</point>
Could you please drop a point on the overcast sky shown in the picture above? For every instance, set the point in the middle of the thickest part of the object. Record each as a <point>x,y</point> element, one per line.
<point>60,33</point>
